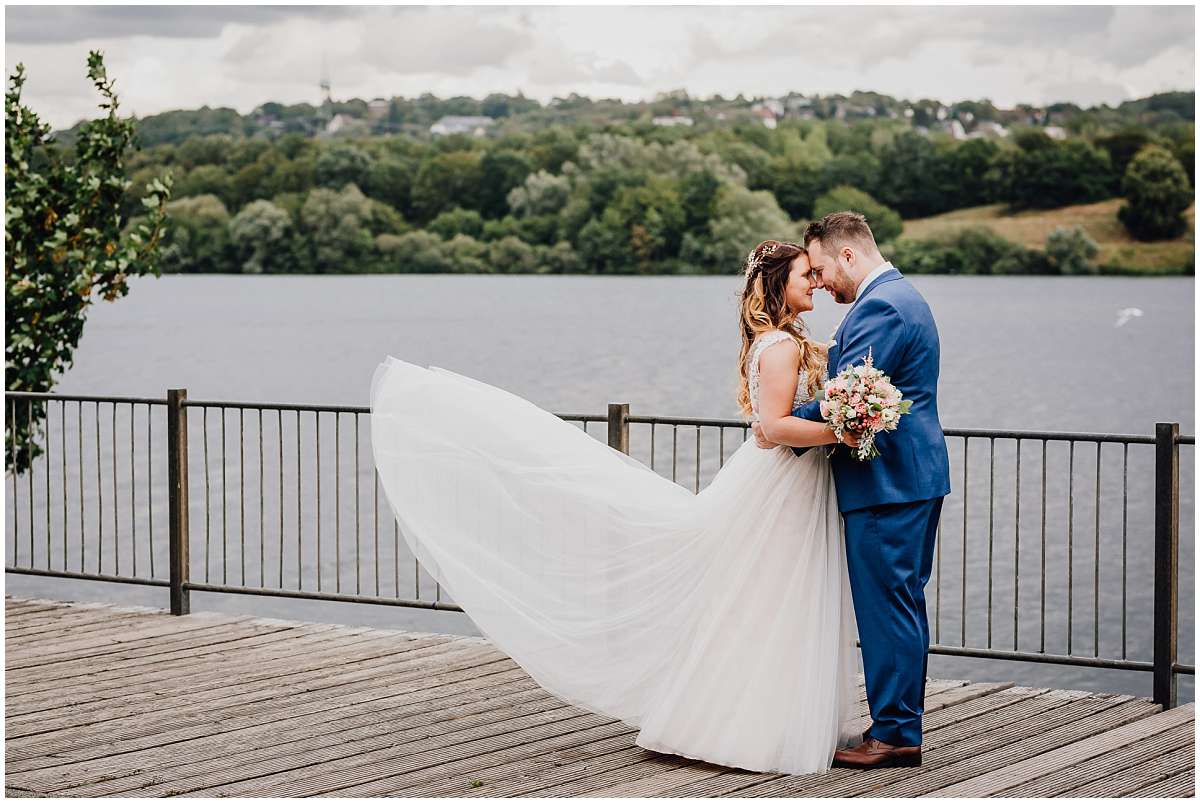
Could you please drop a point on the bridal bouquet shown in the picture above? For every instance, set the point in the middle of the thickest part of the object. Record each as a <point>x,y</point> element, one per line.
<point>863,401</point>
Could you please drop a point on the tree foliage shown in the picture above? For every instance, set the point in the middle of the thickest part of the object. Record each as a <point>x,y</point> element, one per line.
<point>65,238</point>
<point>1157,194</point>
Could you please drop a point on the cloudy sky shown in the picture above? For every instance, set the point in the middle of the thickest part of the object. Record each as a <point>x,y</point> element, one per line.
<point>171,57</point>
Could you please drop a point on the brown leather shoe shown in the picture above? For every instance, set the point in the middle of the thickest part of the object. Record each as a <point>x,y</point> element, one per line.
<point>873,753</point>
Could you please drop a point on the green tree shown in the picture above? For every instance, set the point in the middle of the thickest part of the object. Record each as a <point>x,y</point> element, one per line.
<point>1157,193</point>
<point>335,227</point>
<point>456,221</point>
<point>445,181</point>
<point>260,236</point>
<point>1061,174</point>
<point>343,164</point>
<point>885,223</point>
<point>64,241</point>
<point>198,239</point>
<point>500,172</point>
<point>1070,251</point>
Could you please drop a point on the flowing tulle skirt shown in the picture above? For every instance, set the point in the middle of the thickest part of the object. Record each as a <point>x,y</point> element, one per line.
<point>719,624</point>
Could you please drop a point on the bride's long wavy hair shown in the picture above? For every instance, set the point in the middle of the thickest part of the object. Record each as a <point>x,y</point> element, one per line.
<point>764,308</point>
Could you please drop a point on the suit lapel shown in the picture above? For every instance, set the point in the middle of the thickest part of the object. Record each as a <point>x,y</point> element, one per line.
<point>885,277</point>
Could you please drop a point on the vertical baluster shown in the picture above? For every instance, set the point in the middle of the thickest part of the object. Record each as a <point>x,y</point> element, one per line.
<point>224,504</point>
<point>1042,648</point>
<point>416,566</point>
<point>150,481</point>
<point>697,488</point>
<point>207,501</point>
<point>279,422</point>
<point>132,491</point>
<point>962,636</point>
<point>62,432</point>
<point>1017,554</point>
<point>47,464</point>
<point>1096,567</point>
<point>242,489</point>
<point>317,416</point>
<point>99,503</point>
<point>262,504</point>
<point>357,548</point>
<point>116,525</point>
<point>674,450</point>
<point>299,518</point>
<point>1070,544</point>
<point>1124,546</point>
<point>82,529</point>
<point>991,529</point>
<point>30,469</point>
<point>375,504</point>
<point>653,426</point>
<point>721,446</point>
<point>12,442</point>
<point>337,500</point>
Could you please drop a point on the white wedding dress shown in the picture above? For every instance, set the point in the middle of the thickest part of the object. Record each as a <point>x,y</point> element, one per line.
<point>720,624</point>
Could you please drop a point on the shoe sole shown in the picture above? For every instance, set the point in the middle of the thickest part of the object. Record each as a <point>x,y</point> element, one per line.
<point>898,761</point>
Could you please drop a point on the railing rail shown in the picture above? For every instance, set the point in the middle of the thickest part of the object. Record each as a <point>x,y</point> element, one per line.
<point>968,580</point>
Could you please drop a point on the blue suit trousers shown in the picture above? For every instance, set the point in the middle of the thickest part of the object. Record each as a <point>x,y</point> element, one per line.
<point>889,555</point>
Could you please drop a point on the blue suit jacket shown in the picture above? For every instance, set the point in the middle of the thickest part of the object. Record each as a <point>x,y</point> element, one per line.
<point>892,321</point>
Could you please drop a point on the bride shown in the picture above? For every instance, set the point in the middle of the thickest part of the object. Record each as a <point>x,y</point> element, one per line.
<point>719,624</point>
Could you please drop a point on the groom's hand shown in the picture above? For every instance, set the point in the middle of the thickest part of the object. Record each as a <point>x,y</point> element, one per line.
<point>760,438</point>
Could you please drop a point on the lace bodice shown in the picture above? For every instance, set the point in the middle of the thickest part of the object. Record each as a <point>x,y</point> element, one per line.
<point>756,349</point>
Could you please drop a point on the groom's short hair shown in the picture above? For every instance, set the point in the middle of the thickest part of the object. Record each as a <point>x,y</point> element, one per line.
<point>839,229</point>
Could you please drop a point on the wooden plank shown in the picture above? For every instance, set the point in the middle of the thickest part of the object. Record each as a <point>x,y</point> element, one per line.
<point>241,755</point>
<point>1181,785</point>
<point>1001,750</point>
<point>146,681</point>
<point>281,708</point>
<point>384,772</point>
<point>1002,778</point>
<point>326,683</point>
<point>78,623</point>
<point>660,782</point>
<point>153,639</point>
<point>286,669</point>
<point>945,745</point>
<point>1130,781</point>
<point>153,675</point>
<point>1106,765</point>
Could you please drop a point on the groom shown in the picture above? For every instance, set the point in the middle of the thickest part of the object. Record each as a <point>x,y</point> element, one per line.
<point>890,504</point>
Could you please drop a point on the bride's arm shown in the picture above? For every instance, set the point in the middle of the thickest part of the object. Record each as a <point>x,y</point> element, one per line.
<point>777,377</point>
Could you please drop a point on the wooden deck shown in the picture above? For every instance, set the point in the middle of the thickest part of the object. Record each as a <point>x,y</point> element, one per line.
<point>106,700</point>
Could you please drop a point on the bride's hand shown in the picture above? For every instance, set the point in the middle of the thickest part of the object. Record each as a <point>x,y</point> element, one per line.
<point>849,439</point>
<point>760,438</point>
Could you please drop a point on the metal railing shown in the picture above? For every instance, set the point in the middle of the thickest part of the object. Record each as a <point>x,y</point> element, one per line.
<point>1050,509</point>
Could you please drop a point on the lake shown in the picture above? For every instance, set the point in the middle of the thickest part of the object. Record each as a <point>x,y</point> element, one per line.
<point>1034,353</point>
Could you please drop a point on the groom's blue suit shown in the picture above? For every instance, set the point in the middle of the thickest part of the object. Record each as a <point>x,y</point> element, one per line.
<point>891,504</point>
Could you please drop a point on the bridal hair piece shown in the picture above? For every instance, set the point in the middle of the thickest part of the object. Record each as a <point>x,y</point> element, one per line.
<point>756,257</point>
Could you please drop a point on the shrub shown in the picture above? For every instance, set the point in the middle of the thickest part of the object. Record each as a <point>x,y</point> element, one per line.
<point>1070,251</point>
<point>1157,194</point>
<point>457,221</point>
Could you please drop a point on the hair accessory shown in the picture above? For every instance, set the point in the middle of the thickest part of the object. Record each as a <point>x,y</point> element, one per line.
<point>756,257</point>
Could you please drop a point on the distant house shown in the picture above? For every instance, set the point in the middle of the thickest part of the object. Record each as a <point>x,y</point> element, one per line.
<point>377,108</point>
<point>343,124</point>
<point>990,128</point>
<point>673,121</point>
<point>768,112</point>
<point>475,126</point>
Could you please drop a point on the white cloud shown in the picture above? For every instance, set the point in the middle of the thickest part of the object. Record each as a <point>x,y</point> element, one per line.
<point>168,57</point>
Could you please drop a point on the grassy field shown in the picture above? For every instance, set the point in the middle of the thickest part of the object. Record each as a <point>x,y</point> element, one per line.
<point>1117,248</point>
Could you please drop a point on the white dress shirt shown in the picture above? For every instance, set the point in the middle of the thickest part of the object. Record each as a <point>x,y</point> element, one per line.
<point>870,277</point>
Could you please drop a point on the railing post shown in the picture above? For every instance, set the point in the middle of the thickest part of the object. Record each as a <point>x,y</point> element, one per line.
<point>1166,561</point>
<point>618,427</point>
<point>177,491</point>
